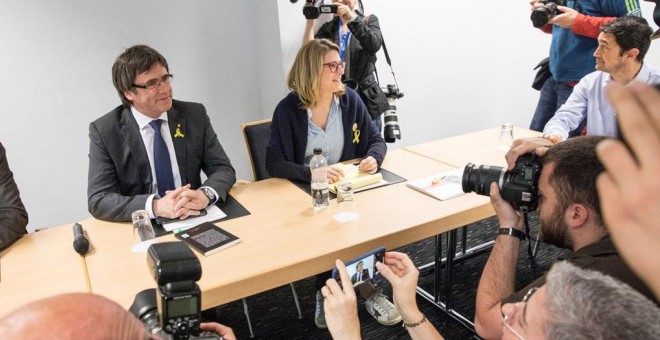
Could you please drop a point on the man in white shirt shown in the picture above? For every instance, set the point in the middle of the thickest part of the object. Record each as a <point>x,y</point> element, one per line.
<point>622,45</point>
<point>148,153</point>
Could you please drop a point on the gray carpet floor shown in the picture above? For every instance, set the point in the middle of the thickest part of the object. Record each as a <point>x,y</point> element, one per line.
<point>274,315</point>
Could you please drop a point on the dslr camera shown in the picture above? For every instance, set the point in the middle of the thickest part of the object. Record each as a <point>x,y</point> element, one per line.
<point>173,311</point>
<point>541,15</point>
<point>392,130</point>
<point>314,8</point>
<point>518,186</point>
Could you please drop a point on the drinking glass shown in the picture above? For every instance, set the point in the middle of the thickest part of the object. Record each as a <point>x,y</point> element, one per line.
<point>143,232</point>
<point>506,137</point>
<point>346,208</point>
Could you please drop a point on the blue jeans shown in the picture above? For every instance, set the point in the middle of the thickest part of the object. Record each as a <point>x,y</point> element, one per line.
<point>379,123</point>
<point>553,95</point>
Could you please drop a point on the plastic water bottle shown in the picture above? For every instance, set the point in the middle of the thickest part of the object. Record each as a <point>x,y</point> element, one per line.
<point>320,192</point>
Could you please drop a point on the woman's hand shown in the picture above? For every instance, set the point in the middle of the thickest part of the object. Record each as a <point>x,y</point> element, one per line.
<point>402,274</point>
<point>340,306</point>
<point>369,165</point>
<point>335,173</point>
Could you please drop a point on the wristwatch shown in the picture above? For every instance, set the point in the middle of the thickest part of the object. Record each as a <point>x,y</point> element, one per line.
<point>209,193</point>
<point>512,232</point>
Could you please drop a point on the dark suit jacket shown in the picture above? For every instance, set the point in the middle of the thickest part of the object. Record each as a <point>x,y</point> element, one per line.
<point>13,217</point>
<point>119,179</point>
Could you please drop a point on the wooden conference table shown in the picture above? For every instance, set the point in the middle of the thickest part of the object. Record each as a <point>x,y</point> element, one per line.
<point>40,265</point>
<point>478,147</point>
<point>283,240</point>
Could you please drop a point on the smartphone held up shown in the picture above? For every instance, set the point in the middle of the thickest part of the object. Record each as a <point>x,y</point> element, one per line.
<point>363,268</point>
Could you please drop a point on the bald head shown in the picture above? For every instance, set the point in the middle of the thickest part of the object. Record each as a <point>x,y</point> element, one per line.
<point>71,316</point>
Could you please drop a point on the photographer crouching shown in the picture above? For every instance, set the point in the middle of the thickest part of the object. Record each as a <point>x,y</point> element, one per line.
<point>569,215</point>
<point>359,39</point>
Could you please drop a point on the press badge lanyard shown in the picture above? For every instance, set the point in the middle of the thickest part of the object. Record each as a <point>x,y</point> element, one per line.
<point>343,41</point>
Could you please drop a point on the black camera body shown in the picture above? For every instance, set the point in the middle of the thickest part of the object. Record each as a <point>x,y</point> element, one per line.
<point>518,186</point>
<point>540,16</point>
<point>314,8</point>
<point>391,129</point>
<point>173,311</point>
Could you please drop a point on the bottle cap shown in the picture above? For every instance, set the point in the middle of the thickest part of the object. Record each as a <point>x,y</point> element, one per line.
<point>318,151</point>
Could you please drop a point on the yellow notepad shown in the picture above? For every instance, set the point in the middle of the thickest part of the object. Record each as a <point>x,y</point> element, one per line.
<point>357,178</point>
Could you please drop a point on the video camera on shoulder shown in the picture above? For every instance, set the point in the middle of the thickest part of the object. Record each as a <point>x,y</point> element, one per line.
<point>518,186</point>
<point>173,311</point>
<point>314,8</point>
<point>542,15</point>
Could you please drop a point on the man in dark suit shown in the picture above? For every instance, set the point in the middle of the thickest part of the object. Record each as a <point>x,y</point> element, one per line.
<point>148,153</point>
<point>361,274</point>
<point>13,217</point>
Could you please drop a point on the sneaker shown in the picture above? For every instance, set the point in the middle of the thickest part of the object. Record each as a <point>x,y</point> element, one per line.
<point>319,314</point>
<point>382,309</point>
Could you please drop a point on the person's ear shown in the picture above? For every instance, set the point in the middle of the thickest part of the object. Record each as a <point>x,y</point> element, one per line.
<point>576,215</point>
<point>632,53</point>
<point>130,95</point>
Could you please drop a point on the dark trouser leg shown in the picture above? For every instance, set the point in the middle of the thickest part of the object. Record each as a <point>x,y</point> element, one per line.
<point>546,107</point>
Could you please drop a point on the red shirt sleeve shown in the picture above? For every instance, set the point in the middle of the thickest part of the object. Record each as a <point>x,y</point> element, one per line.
<point>589,26</point>
<point>547,28</point>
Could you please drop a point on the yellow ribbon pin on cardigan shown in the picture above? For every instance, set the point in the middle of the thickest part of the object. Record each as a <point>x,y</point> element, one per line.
<point>178,133</point>
<point>356,134</point>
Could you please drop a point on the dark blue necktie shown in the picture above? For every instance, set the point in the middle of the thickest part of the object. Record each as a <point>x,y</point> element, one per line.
<point>162,163</point>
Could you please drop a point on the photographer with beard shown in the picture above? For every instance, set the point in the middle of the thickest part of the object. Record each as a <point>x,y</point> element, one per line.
<point>359,39</point>
<point>570,217</point>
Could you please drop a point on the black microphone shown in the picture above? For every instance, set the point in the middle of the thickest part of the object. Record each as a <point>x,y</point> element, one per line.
<point>80,242</point>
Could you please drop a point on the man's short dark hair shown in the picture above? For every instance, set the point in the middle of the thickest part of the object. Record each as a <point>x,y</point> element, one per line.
<point>630,32</point>
<point>576,169</point>
<point>135,60</point>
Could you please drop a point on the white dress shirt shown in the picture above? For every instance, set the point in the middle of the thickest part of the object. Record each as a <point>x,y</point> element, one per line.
<point>147,133</point>
<point>589,100</point>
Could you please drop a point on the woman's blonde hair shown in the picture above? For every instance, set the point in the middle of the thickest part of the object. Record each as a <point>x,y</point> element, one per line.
<point>304,77</point>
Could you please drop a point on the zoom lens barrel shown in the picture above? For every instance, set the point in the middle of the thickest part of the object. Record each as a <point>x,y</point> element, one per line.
<point>478,179</point>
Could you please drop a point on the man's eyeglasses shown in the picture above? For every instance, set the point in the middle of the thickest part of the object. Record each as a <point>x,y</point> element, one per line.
<point>155,83</point>
<point>506,319</point>
<point>334,66</point>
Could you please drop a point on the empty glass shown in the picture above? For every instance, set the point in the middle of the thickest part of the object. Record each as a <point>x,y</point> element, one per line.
<point>143,232</point>
<point>346,208</point>
<point>506,137</point>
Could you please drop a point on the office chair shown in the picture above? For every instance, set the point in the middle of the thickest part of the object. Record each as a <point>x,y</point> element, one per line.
<point>256,135</point>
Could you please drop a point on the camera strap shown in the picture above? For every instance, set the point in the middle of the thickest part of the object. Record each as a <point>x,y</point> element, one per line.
<point>343,41</point>
<point>530,254</point>
<point>387,55</point>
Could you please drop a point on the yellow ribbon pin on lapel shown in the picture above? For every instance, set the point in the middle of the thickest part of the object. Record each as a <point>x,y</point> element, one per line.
<point>356,134</point>
<point>178,133</point>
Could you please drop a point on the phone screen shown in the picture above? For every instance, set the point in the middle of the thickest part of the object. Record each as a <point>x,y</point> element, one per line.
<point>363,268</point>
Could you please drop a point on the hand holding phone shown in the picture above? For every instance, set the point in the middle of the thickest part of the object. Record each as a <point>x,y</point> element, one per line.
<point>363,268</point>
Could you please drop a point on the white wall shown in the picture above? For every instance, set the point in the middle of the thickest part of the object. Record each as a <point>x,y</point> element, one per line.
<point>55,79</point>
<point>463,66</point>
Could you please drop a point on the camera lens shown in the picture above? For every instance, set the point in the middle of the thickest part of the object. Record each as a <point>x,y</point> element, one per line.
<point>541,16</point>
<point>478,179</point>
<point>145,309</point>
<point>391,131</point>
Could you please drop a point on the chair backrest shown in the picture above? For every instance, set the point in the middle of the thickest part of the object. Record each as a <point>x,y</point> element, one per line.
<point>256,136</point>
